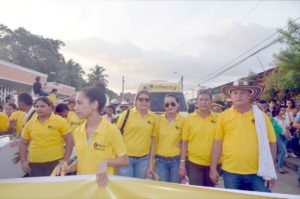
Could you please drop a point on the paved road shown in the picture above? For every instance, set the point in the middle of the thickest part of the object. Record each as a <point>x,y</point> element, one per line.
<point>286,183</point>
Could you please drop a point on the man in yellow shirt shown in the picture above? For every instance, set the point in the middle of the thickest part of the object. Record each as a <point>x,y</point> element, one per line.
<point>237,140</point>
<point>19,118</point>
<point>197,141</point>
<point>71,117</point>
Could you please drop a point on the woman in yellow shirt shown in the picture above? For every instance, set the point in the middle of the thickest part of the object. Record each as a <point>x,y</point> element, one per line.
<point>167,133</point>
<point>138,131</point>
<point>98,144</point>
<point>44,137</point>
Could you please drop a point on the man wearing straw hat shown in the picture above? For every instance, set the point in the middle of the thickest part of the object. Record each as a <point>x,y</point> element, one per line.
<point>246,141</point>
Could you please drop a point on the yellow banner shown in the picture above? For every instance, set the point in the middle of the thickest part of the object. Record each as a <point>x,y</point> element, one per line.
<point>118,187</point>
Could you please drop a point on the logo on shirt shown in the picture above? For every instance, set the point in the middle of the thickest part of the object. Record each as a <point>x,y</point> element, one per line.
<point>178,128</point>
<point>99,147</point>
<point>50,127</point>
<point>149,122</point>
<point>75,123</point>
<point>213,121</point>
<point>253,121</point>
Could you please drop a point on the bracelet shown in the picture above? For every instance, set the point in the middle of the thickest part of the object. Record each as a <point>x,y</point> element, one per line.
<point>182,160</point>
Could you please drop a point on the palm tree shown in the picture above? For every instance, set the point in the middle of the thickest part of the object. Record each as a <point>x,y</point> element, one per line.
<point>97,76</point>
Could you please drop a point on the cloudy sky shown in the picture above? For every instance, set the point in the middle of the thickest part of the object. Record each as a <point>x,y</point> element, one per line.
<point>157,40</point>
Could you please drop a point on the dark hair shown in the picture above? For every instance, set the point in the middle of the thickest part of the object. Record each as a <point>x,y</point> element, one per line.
<point>53,90</point>
<point>143,92</point>
<point>110,106</point>
<point>171,95</point>
<point>96,93</point>
<point>273,100</point>
<point>25,98</point>
<point>61,108</point>
<point>38,78</point>
<point>13,105</point>
<point>277,110</point>
<point>43,99</point>
<point>262,101</point>
<point>293,102</point>
<point>220,102</point>
<point>206,92</point>
<point>8,98</point>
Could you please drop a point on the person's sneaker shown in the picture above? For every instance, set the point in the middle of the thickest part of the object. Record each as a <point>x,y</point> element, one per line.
<point>292,155</point>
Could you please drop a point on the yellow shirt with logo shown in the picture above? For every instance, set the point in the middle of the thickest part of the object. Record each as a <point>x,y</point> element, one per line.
<point>74,121</point>
<point>168,136</point>
<point>53,98</point>
<point>106,143</point>
<point>3,122</point>
<point>20,117</point>
<point>137,132</point>
<point>46,140</point>
<point>240,142</point>
<point>199,133</point>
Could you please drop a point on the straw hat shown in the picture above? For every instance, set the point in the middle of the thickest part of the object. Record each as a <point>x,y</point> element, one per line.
<point>242,85</point>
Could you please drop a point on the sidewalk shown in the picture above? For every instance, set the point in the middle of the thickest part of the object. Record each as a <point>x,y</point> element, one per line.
<point>292,163</point>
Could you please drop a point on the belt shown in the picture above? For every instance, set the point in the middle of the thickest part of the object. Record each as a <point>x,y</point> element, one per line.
<point>138,157</point>
<point>167,158</point>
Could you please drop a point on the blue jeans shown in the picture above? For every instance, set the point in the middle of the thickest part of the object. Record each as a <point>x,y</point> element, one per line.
<point>168,170</point>
<point>281,144</point>
<point>136,168</point>
<point>250,182</point>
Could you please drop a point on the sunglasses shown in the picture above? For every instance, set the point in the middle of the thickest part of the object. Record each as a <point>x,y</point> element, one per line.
<point>140,99</point>
<point>173,104</point>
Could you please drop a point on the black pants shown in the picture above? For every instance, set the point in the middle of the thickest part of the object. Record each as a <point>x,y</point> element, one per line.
<point>42,169</point>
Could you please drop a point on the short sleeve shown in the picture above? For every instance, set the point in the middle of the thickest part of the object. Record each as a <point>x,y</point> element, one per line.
<point>186,129</point>
<point>3,123</point>
<point>118,144</point>
<point>64,126</point>
<point>121,119</point>
<point>219,131</point>
<point>26,131</point>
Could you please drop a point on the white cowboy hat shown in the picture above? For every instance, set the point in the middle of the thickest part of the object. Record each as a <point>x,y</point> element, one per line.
<point>242,85</point>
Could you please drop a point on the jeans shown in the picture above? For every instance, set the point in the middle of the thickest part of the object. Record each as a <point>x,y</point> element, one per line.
<point>136,168</point>
<point>168,170</point>
<point>281,144</point>
<point>250,182</point>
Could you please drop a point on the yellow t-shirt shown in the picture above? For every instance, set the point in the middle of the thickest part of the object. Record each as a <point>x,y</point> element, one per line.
<point>46,140</point>
<point>3,122</point>
<point>199,133</point>
<point>137,132</point>
<point>53,98</point>
<point>168,136</point>
<point>240,142</point>
<point>106,143</point>
<point>74,121</point>
<point>20,117</point>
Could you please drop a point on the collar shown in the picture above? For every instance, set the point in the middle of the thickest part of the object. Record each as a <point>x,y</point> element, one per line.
<point>50,118</point>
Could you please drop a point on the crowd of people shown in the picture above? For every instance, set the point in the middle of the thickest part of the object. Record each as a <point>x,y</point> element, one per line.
<point>239,142</point>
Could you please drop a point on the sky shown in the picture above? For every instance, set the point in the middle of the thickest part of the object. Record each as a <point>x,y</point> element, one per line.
<point>157,40</point>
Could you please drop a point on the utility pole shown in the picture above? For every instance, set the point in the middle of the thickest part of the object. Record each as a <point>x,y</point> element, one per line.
<point>123,82</point>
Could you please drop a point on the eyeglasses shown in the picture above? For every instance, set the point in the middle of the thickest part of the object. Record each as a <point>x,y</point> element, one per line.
<point>170,104</point>
<point>140,99</point>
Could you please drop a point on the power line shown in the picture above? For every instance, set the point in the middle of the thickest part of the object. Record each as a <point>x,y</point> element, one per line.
<point>233,29</point>
<point>210,75</point>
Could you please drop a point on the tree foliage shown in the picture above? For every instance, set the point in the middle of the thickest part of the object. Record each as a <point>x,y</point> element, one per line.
<point>286,82</point>
<point>97,76</point>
